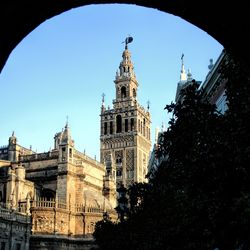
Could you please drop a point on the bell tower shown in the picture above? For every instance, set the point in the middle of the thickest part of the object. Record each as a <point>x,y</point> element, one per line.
<point>125,129</point>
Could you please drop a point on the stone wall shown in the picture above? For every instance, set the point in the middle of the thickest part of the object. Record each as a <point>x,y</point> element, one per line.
<point>49,242</point>
<point>15,229</point>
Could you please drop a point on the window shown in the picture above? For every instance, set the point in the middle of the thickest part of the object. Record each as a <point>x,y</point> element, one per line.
<point>3,244</point>
<point>118,124</point>
<point>18,246</point>
<point>221,103</point>
<point>111,128</point>
<point>132,124</point>
<point>126,125</point>
<point>123,92</point>
<point>134,93</point>
<point>118,173</point>
<point>105,127</point>
<point>118,160</point>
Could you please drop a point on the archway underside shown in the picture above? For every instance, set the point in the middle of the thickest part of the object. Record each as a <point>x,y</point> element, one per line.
<point>227,22</point>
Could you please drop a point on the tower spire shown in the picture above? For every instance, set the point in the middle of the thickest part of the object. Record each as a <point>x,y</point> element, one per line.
<point>67,121</point>
<point>103,102</point>
<point>183,76</point>
<point>126,68</point>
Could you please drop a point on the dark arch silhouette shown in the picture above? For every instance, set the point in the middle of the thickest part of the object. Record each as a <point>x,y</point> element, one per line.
<point>226,22</point>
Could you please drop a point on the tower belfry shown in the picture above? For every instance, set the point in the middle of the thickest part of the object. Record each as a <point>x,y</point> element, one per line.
<point>125,129</point>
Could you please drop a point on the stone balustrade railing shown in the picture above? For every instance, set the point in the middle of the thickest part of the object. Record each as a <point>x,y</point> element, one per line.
<point>39,157</point>
<point>14,215</point>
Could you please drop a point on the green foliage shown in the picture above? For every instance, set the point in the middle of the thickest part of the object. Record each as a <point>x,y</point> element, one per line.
<point>200,196</point>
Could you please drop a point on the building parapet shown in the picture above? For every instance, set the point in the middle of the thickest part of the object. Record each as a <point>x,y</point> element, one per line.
<point>40,156</point>
<point>82,156</point>
<point>43,203</point>
<point>13,215</point>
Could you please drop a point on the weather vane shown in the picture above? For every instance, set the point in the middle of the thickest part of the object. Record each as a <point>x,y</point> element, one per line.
<point>128,39</point>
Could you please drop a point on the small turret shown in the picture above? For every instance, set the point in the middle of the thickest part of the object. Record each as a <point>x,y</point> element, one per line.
<point>12,139</point>
<point>103,108</point>
<point>189,75</point>
<point>12,148</point>
<point>66,145</point>
<point>66,136</point>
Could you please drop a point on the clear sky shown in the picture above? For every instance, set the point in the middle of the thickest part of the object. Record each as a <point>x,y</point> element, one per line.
<point>62,68</point>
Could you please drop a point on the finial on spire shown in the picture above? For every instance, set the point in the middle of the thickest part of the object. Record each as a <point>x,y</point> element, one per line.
<point>13,133</point>
<point>103,98</point>
<point>67,121</point>
<point>148,104</point>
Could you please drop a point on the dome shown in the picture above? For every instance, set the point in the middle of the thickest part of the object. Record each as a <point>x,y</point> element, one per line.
<point>96,199</point>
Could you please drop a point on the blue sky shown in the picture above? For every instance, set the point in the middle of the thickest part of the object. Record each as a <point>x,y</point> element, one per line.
<point>62,68</point>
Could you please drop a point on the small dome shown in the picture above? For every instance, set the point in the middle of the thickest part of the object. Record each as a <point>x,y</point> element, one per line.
<point>66,136</point>
<point>96,199</point>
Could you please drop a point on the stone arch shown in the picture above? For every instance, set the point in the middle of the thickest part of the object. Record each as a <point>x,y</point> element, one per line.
<point>212,19</point>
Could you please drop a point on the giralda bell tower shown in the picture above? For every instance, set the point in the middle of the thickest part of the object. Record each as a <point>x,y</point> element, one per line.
<point>125,129</point>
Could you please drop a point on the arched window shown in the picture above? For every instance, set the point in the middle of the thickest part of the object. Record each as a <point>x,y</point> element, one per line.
<point>118,160</point>
<point>134,93</point>
<point>123,92</point>
<point>132,124</point>
<point>105,127</point>
<point>126,125</point>
<point>111,128</point>
<point>118,124</point>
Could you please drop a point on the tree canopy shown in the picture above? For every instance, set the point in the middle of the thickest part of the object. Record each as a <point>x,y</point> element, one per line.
<point>199,197</point>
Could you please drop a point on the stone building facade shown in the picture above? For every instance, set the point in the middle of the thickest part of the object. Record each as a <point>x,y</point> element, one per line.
<point>215,84</point>
<point>125,129</point>
<point>64,192</point>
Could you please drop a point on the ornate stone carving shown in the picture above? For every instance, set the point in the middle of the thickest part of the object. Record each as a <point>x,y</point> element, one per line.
<point>129,159</point>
